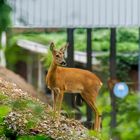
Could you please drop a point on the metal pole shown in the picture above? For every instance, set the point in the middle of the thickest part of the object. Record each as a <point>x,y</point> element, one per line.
<point>89,49</point>
<point>70,50</point>
<point>70,61</point>
<point>113,75</point>
<point>89,66</point>
<point>139,65</point>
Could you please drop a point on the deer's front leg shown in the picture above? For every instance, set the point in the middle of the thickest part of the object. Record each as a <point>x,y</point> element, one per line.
<point>54,98</point>
<point>59,102</point>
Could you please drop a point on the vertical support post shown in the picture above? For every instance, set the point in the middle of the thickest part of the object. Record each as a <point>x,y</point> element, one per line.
<point>2,49</point>
<point>89,67</point>
<point>139,65</point>
<point>89,49</point>
<point>40,81</point>
<point>70,50</point>
<point>30,69</point>
<point>70,60</point>
<point>113,75</point>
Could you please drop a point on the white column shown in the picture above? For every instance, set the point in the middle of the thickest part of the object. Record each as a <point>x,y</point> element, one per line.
<point>2,50</point>
<point>40,84</point>
<point>30,69</point>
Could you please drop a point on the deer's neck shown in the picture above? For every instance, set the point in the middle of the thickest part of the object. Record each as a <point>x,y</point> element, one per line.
<point>53,67</point>
<point>52,74</point>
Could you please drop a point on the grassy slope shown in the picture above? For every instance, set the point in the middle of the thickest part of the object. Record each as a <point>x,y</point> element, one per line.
<point>24,116</point>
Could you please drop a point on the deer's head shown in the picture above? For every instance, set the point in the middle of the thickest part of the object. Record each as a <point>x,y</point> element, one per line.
<point>58,55</point>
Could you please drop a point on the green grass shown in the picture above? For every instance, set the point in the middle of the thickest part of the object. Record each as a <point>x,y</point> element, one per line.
<point>7,105</point>
<point>4,110</point>
<point>24,104</point>
<point>39,137</point>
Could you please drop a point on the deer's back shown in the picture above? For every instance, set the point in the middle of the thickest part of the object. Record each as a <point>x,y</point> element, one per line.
<point>77,80</point>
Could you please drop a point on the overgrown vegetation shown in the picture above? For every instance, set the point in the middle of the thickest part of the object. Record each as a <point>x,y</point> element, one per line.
<point>15,122</point>
<point>128,117</point>
<point>23,117</point>
<point>124,65</point>
<point>127,39</point>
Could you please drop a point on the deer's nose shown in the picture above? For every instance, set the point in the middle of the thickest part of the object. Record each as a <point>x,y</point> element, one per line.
<point>63,63</point>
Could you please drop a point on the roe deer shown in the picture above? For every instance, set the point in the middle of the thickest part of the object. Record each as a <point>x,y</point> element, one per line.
<point>72,80</point>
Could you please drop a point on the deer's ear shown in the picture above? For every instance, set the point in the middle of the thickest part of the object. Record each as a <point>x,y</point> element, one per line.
<point>52,46</point>
<point>65,47</point>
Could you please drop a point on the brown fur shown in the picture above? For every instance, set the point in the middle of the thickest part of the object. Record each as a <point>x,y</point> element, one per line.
<point>61,80</point>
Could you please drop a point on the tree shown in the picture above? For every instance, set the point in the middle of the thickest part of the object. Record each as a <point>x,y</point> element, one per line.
<point>5,21</point>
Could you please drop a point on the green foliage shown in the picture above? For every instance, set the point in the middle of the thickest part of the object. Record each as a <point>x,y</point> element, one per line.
<point>124,64</point>
<point>79,31</point>
<point>127,47</point>
<point>128,120</point>
<point>68,110</point>
<point>103,103</point>
<point>19,54</point>
<point>4,110</point>
<point>38,137</point>
<point>127,35</point>
<point>128,117</point>
<point>5,19</point>
<point>100,46</point>
<point>37,109</point>
<point>83,109</point>
<point>80,39</point>
<point>24,104</point>
<point>3,97</point>
<point>47,59</point>
<point>127,41</point>
<point>44,38</point>
<point>101,35</point>
<point>103,135</point>
<point>1,130</point>
<point>16,54</point>
<point>31,124</point>
<point>94,133</point>
<point>19,104</point>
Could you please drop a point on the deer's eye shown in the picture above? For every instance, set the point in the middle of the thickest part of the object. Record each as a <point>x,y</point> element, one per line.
<point>57,55</point>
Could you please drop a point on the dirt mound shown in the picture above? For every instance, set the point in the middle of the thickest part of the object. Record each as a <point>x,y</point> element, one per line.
<point>12,77</point>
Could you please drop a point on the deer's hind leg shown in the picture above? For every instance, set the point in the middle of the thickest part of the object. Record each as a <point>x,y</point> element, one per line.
<point>90,99</point>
